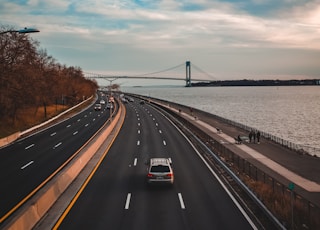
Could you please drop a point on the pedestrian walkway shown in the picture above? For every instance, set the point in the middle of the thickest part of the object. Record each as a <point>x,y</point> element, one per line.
<point>293,177</point>
<point>305,183</point>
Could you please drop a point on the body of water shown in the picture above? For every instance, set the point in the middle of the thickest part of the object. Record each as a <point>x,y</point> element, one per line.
<point>289,112</point>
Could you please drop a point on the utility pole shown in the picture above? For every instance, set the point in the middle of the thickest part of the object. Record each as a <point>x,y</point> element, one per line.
<point>110,96</point>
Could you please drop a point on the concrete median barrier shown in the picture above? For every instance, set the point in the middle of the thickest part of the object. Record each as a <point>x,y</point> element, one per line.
<point>34,209</point>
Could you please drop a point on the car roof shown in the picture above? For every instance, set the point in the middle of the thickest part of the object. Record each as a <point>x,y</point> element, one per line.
<point>159,161</point>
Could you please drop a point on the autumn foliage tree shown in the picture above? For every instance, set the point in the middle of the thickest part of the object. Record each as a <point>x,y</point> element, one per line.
<point>29,77</point>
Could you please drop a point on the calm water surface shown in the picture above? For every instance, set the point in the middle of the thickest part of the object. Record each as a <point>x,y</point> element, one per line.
<point>289,112</point>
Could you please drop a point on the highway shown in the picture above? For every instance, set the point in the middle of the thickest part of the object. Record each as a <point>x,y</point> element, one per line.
<point>27,163</point>
<point>117,196</point>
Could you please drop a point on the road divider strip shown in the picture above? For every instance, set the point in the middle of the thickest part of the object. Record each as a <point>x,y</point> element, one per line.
<point>36,205</point>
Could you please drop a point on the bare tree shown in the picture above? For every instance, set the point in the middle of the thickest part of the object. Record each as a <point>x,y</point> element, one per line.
<point>30,78</point>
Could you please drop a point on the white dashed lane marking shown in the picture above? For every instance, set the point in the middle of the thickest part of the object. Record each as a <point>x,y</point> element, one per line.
<point>28,147</point>
<point>128,201</point>
<point>26,165</point>
<point>181,201</point>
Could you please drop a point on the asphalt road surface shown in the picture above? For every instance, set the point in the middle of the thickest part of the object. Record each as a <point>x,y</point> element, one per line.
<point>118,197</point>
<point>25,164</point>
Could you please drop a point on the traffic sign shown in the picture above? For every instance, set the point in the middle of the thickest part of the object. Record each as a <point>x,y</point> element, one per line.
<point>291,186</point>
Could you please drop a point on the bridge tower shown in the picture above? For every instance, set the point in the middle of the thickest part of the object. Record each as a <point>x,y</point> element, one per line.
<point>188,74</point>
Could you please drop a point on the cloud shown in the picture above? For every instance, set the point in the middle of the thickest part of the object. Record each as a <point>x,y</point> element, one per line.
<point>111,34</point>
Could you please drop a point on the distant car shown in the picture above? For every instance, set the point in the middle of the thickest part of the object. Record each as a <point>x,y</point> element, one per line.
<point>97,107</point>
<point>109,106</point>
<point>160,171</point>
<point>124,100</point>
<point>102,102</point>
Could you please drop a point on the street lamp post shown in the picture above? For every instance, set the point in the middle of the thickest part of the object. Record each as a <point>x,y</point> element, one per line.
<point>22,31</point>
<point>110,95</point>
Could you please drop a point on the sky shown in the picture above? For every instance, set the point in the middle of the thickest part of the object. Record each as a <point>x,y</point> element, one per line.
<point>224,39</point>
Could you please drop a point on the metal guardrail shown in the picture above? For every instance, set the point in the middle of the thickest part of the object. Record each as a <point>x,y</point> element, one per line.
<point>309,211</point>
<point>267,212</point>
<point>18,207</point>
<point>301,149</point>
<point>8,140</point>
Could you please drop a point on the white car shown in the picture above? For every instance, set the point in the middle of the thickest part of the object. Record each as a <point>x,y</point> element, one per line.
<point>160,171</point>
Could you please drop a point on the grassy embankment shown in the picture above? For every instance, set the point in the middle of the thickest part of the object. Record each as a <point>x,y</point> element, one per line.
<point>280,205</point>
<point>29,117</point>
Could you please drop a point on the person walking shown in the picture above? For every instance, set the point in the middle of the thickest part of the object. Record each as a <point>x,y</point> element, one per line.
<point>254,136</point>
<point>250,136</point>
<point>258,137</point>
<point>239,139</point>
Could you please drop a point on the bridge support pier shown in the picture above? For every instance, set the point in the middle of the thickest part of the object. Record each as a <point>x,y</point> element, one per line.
<point>188,74</point>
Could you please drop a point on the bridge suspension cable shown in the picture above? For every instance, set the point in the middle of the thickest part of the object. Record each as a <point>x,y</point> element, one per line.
<point>148,75</point>
<point>161,71</point>
<point>202,71</point>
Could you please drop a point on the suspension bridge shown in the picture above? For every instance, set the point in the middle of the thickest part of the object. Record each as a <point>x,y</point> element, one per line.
<point>166,74</point>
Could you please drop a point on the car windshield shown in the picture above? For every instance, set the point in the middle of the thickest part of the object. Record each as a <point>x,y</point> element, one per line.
<point>160,168</point>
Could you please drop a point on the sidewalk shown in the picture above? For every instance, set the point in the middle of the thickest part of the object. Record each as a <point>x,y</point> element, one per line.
<point>293,177</point>
<point>281,163</point>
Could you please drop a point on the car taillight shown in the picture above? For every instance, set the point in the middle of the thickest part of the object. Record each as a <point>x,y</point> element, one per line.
<point>150,175</point>
<point>169,175</point>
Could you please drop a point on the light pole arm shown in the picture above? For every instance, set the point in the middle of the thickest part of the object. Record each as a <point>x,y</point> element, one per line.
<point>22,31</point>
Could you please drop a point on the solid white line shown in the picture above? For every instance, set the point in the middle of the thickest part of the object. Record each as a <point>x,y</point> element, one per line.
<point>135,161</point>
<point>28,147</point>
<point>216,176</point>
<point>220,181</point>
<point>127,201</point>
<point>181,201</point>
<point>26,165</point>
<point>52,134</point>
